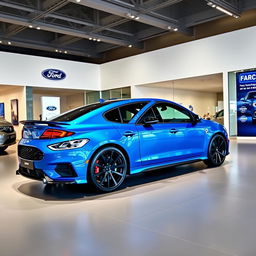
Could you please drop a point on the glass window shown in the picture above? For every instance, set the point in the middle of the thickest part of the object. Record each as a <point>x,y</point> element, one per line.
<point>220,113</point>
<point>130,110</point>
<point>126,93</point>
<point>74,114</point>
<point>147,116</point>
<point>113,115</point>
<point>171,114</point>
<point>92,97</point>
<point>106,95</point>
<point>116,94</point>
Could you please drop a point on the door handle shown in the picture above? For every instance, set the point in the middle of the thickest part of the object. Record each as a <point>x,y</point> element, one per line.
<point>129,133</point>
<point>173,131</point>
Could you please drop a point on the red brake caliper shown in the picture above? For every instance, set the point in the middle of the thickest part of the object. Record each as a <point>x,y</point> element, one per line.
<point>96,168</point>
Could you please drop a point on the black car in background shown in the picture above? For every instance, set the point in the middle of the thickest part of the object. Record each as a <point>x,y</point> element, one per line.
<point>7,135</point>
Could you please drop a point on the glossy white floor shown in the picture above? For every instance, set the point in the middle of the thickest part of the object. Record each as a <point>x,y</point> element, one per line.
<point>188,210</point>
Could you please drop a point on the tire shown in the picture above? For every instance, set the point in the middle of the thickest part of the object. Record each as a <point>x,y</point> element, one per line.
<point>2,149</point>
<point>108,169</point>
<point>217,151</point>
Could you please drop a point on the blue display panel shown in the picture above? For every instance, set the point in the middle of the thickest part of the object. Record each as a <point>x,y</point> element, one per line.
<point>2,110</point>
<point>246,103</point>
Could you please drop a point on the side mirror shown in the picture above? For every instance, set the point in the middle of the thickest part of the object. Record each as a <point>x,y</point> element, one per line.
<point>150,120</point>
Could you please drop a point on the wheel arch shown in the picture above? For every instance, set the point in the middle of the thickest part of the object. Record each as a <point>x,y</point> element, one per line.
<point>111,145</point>
<point>214,134</point>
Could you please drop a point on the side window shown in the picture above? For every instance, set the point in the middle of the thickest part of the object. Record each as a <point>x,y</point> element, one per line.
<point>149,114</point>
<point>171,114</point>
<point>130,110</point>
<point>113,115</point>
<point>220,114</point>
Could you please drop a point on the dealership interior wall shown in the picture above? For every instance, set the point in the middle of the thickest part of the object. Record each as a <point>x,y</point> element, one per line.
<point>144,73</point>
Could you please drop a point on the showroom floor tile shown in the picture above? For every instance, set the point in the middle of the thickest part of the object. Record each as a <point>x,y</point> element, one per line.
<point>187,210</point>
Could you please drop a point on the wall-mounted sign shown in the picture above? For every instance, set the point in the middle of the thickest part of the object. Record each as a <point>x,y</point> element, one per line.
<point>247,77</point>
<point>51,108</point>
<point>246,103</point>
<point>53,74</point>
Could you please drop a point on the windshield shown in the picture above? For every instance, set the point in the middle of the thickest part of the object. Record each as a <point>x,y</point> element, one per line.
<point>75,113</point>
<point>251,95</point>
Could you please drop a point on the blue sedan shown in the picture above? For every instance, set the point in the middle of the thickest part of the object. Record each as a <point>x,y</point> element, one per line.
<point>102,143</point>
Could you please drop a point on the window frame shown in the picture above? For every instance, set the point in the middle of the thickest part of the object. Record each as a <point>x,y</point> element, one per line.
<point>173,105</point>
<point>118,107</point>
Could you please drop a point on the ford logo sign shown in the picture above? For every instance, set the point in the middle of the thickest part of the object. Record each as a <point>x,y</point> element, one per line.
<point>51,108</point>
<point>53,74</point>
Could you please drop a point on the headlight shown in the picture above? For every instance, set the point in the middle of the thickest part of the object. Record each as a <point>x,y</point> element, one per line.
<point>254,104</point>
<point>71,144</point>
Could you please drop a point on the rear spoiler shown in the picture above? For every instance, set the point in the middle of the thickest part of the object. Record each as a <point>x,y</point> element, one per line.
<point>46,123</point>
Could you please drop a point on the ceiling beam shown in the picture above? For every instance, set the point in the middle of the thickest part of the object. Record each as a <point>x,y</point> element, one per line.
<point>62,17</point>
<point>126,12</point>
<point>20,42</point>
<point>63,30</point>
<point>232,8</point>
<point>48,7</point>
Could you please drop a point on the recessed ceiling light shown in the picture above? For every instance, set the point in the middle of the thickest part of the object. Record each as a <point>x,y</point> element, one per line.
<point>38,28</point>
<point>98,40</point>
<point>30,26</point>
<point>175,29</point>
<point>56,50</point>
<point>130,45</point>
<point>137,18</point>
<point>65,52</point>
<point>90,38</point>
<point>78,1</point>
<point>169,27</point>
<point>1,41</point>
<point>9,43</point>
<point>94,39</point>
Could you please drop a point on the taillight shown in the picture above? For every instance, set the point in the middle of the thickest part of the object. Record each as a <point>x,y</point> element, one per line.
<point>54,134</point>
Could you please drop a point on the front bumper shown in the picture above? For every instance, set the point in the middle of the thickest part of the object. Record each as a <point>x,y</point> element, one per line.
<point>38,174</point>
<point>66,166</point>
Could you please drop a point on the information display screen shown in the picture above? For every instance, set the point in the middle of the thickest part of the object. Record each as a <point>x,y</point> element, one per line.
<point>50,107</point>
<point>246,103</point>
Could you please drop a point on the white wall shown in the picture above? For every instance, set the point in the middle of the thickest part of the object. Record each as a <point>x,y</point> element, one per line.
<point>202,102</point>
<point>6,97</point>
<point>18,69</point>
<point>217,54</point>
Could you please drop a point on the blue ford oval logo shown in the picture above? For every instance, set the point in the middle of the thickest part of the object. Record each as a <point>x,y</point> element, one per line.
<point>53,74</point>
<point>51,108</point>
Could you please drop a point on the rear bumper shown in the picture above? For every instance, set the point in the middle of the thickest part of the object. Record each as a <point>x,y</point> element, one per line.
<point>7,139</point>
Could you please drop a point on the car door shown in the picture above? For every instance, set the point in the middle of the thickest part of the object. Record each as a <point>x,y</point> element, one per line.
<point>128,134</point>
<point>175,137</point>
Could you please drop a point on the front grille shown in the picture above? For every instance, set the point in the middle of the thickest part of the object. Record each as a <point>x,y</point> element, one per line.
<point>30,153</point>
<point>7,129</point>
<point>36,174</point>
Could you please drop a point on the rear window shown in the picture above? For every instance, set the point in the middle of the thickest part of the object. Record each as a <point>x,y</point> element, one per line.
<point>74,114</point>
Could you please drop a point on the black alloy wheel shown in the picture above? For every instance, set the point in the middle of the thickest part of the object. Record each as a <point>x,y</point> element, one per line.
<point>108,169</point>
<point>217,151</point>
